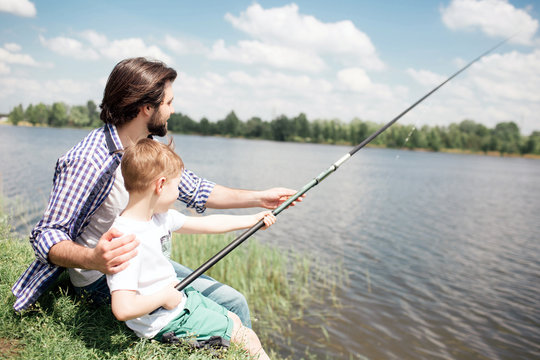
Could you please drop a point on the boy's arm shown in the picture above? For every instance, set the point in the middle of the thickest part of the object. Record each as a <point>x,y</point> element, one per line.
<point>215,224</point>
<point>127,305</point>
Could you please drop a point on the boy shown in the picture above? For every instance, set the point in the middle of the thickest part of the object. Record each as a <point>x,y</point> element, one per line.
<point>151,177</point>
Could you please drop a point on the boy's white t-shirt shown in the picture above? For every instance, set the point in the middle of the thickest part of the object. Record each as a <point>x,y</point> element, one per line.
<point>149,271</point>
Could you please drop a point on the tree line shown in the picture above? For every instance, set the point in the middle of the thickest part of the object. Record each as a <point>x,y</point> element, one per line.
<point>467,135</point>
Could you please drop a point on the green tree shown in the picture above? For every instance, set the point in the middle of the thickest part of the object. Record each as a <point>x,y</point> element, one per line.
<point>93,114</point>
<point>532,144</point>
<point>508,137</point>
<point>254,128</point>
<point>30,115</point>
<point>41,114</point>
<point>16,115</point>
<point>301,127</point>
<point>358,131</point>
<point>453,138</point>
<point>231,125</point>
<point>316,132</point>
<point>183,124</point>
<point>281,128</point>
<point>205,126</point>
<point>78,116</point>
<point>58,116</point>
<point>434,139</point>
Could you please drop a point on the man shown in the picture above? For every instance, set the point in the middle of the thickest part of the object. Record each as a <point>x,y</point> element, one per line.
<point>88,193</point>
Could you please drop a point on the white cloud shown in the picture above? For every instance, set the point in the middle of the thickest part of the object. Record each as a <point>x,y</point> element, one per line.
<point>18,7</point>
<point>355,79</point>
<point>95,39</point>
<point>285,27</point>
<point>12,47</point>
<point>268,94</point>
<point>500,87</point>
<point>97,45</point>
<point>184,46</point>
<point>132,47</point>
<point>15,58</point>
<point>9,54</point>
<point>496,18</point>
<point>426,77</point>
<point>512,76</point>
<point>35,91</point>
<point>256,52</point>
<point>69,47</point>
<point>4,69</point>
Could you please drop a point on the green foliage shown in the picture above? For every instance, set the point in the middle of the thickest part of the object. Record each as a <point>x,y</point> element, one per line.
<point>58,115</point>
<point>278,287</point>
<point>64,326</point>
<point>465,136</point>
<point>41,114</point>
<point>16,115</point>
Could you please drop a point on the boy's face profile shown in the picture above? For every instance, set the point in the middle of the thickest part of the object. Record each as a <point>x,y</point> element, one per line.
<point>169,194</point>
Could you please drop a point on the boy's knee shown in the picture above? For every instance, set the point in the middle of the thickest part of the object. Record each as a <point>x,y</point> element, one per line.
<point>237,323</point>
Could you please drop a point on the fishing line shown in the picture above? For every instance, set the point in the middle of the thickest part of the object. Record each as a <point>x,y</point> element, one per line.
<point>323,175</point>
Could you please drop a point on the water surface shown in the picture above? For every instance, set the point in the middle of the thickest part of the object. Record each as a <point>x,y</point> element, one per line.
<point>442,250</point>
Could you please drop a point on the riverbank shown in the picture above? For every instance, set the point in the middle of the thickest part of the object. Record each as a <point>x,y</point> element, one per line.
<point>343,143</point>
<point>62,325</point>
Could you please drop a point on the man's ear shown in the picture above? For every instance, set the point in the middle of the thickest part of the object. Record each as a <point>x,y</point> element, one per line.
<point>147,110</point>
<point>159,185</point>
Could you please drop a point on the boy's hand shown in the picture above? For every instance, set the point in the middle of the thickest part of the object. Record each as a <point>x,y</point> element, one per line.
<point>268,218</point>
<point>171,296</point>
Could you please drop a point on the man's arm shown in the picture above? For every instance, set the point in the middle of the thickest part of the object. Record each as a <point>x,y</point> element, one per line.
<point>223,197</point>
<point>111,254</point>
<point>200,193</point>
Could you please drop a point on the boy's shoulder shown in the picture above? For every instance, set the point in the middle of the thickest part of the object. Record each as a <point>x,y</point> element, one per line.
<point>172,219</point>
<point>169,214</point>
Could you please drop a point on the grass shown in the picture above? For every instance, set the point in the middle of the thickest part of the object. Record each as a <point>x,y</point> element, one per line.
<point>278,286</point>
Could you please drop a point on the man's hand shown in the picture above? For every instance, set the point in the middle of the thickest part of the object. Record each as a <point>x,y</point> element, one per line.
<point>113,252</point>
<point>272,198</point>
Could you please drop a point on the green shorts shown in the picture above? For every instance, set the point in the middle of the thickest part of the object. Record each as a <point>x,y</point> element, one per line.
<point>201,319</point>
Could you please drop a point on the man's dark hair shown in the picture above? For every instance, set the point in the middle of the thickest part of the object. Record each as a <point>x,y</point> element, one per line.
<point>133,83</point>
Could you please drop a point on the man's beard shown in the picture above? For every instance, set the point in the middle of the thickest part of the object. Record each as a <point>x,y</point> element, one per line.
<point>156,128</point>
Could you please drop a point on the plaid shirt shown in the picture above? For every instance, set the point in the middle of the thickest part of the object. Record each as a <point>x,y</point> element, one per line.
<point>83,179</point>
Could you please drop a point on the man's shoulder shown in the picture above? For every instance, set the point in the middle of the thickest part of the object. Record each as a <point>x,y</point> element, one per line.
<point>92,148</point>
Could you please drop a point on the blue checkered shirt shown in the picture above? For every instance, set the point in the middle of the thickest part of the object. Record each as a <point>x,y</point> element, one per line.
<point>83,179</point>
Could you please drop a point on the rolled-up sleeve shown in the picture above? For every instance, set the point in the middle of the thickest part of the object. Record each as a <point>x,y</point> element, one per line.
<point>194,191</point>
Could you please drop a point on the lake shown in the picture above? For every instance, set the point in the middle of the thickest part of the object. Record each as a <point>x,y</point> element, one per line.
<point>442,250</point>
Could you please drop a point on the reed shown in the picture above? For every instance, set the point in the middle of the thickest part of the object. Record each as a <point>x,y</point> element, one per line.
<point>278,285</point>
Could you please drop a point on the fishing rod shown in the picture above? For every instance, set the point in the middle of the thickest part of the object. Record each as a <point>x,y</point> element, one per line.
<point>323,175</point>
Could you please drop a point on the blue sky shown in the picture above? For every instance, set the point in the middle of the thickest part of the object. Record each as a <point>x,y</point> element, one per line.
<point>339,59</point>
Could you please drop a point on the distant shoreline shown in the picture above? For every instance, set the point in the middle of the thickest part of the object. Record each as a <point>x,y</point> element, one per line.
<point>449,151</point>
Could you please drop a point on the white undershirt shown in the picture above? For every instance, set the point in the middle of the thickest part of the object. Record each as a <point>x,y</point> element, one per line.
<point>100,222</point>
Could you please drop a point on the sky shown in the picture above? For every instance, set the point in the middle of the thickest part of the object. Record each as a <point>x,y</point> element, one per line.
<point>342,59</point>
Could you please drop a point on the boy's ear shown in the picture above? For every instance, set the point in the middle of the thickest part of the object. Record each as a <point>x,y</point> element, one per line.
<point>159,185</point>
